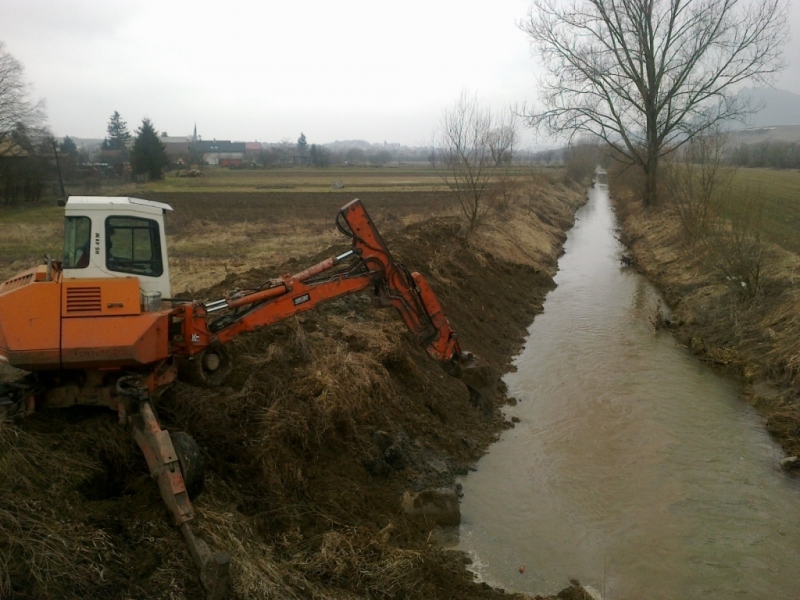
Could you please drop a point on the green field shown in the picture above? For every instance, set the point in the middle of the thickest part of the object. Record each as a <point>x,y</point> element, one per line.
<point>30,232</point>
<point>301,180</point>
<point>779,194</point>
<point>354,179</point>
<point>222,196</point>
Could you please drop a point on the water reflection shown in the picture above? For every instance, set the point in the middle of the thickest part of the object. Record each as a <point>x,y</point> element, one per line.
<point>634,468</point>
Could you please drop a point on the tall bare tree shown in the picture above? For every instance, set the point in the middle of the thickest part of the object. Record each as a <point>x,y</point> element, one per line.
<point>648,75</point>
<point>695,178</point>
<point>473,151</point>
<point>17,110</point>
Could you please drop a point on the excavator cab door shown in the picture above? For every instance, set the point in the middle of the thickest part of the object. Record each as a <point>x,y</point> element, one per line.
<point>117,237</point>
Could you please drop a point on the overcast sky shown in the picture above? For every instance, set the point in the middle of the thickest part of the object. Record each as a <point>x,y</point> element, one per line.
<point>267,70</point>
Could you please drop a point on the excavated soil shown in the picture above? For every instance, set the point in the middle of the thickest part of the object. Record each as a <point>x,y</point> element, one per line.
<point>327,419</point>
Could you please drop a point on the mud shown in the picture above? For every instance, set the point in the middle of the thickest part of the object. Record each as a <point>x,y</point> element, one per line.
<point>327,420</point>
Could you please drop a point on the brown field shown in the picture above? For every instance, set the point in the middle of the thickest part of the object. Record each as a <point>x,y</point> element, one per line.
<point>216,233</point>
<point>209,231</point>
<point>327,419</point>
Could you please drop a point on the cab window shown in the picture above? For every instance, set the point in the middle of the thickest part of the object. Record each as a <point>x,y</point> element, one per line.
<point>77,241</point>
<point>133,245</point>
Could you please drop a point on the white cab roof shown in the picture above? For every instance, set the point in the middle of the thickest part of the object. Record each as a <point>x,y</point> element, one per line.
<point>104,202</point>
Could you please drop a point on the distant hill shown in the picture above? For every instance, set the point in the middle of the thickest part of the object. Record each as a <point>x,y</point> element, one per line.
<point>759,135</point>
<point>779,107</point>
<point>777,120</point>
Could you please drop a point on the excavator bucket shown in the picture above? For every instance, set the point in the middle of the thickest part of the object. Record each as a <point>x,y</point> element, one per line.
<point>481,381</point>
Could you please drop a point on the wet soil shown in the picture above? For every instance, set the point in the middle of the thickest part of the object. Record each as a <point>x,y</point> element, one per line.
<point>327,419</point>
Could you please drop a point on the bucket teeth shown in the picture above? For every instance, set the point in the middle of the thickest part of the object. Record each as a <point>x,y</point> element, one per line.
<point>213,566</point>
<point>481,381</point>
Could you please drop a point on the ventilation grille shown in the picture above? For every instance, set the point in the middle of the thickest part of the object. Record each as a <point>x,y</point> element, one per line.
<point>83,299</point>
<point>15,283</point>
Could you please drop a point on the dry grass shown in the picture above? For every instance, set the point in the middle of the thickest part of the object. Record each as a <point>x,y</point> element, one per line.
<point>24,245</point>
<point>523,232</point>
<point>44,543</point>
<point>255,574</point>
<point>305,394</point>
<point>378,568</point>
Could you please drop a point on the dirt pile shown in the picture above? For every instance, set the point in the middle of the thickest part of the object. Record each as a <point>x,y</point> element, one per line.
<point>327,420</point>
<point>754,337</point>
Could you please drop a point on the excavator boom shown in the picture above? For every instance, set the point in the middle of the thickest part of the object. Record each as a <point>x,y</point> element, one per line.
<point>368,264</point>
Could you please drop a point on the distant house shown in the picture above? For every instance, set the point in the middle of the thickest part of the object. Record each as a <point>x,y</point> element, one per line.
<point>252,152</point>
<point>178,147</point>
<point>220,152</point>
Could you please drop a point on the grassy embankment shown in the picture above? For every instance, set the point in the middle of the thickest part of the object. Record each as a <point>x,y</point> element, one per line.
<point>327,419</point>
<point>750,331</point>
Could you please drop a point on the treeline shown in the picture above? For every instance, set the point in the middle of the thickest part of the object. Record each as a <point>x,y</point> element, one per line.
<point>775,155</point>
<point>358,152</point>
<point>354,153</point>
<point>25,164</point>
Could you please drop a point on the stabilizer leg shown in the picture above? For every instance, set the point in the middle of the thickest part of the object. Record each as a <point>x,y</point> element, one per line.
<point>213,565</point>
<point>164,464</point>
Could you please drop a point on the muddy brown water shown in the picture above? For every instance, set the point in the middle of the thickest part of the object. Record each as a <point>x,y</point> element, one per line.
<point>634,467</point>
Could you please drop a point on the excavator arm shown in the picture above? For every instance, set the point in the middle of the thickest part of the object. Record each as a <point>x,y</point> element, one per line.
<point>368,264</point>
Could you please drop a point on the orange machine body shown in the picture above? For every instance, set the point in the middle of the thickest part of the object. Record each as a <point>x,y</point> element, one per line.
<point>50,323</point>
<point>92,319</point>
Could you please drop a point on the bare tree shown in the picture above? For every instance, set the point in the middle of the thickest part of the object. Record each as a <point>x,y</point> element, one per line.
<point>17,111</point>
<point>648,75</point>
<point>473,152</point>
<point>696,178</point>
<point>733,242</point>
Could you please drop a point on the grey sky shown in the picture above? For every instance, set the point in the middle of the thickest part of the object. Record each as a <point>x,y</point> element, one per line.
<point>267,70</point>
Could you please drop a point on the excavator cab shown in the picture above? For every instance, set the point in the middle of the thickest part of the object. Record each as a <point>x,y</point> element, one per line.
<point>117,237</point>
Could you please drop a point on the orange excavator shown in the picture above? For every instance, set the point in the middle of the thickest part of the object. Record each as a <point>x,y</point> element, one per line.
<point>101,328</point>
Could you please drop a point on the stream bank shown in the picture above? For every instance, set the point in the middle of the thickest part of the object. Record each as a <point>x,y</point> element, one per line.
<point>756,339</point>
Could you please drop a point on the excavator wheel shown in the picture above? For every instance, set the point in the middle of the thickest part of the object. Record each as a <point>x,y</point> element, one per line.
<point>210,368</point>
<point>192,467</point>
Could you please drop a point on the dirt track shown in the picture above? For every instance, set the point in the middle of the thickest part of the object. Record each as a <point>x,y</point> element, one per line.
<point>327,420</point>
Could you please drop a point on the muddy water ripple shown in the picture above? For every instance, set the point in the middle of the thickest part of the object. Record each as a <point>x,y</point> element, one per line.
<point>634,467</point>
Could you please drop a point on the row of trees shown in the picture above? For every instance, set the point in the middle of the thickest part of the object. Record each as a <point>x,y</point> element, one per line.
<point>338,153</point>
<point>28,149</point>
<point>775,155</point>
<point>144,150</point>
<point>644,76</point>
<point>25,141</point>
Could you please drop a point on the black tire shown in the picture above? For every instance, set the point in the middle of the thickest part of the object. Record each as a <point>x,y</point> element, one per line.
<point>192,467</point>
<point>210,368</point>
